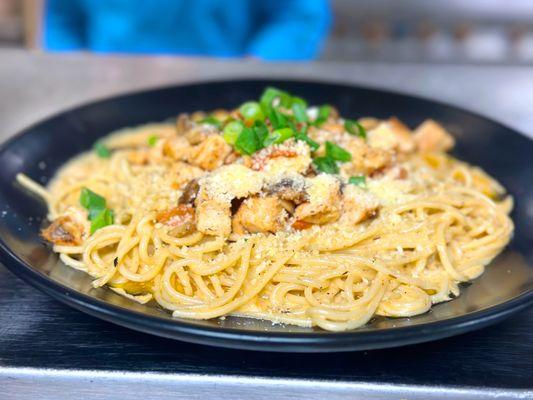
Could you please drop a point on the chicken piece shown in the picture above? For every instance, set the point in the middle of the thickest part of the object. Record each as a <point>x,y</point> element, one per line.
<point>208,154</point>
<point>324,201</point>
<point>369,122</point>
<point>335,128</point>
<point>406,143</point>
<point>229,182</point>
<point>357,205</point>
<point>182,173</point>
<point>197,135</point>
<point>289,187</point>
<point>68,229</point>
<point>183,124</point>
<point>179,220</point>
<point>431,136</point>
<point>211,153</point>
<point>190,191</point>
<point>289,156</point>
<point>366,160</point>
<point>259,215</point>
<point>213,217</point>
<point>178,148</point>
<point>391,135</point>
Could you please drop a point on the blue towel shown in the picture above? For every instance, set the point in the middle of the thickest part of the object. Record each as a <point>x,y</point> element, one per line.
<point>267,29</point>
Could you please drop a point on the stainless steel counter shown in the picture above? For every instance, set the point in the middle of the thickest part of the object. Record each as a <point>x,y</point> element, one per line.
<point>48,351</point>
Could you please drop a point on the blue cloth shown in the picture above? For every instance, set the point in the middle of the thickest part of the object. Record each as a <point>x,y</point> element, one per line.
<point>268,29</point>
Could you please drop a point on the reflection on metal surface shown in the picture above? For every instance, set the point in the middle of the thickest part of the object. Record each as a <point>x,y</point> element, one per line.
<point>76,384</point>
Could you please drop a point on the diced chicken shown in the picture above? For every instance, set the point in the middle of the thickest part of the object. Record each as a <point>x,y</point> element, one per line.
<point>229,182</point>
<point>183,124</point>
<point>406,143</point>
<point>324,201</point>
<point>365,159</point>
<point>197,135</point>
<point>334,128</point>
<point>179,220</point>
<point>369,122</point>
<point>190,191</point>
<point>213,217</point>
<point>259,215</point>
<point>177,148</point>
<point>289,187</point>
<point>288,156</point>
<point>182,173</point>
<point>68,229</point>
<point>431,136</point>
<point>357,205</point>
<point>391,135</point>
<point>210,153</point>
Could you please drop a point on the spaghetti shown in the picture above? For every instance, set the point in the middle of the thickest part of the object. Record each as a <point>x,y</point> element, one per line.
<point>278,211</point>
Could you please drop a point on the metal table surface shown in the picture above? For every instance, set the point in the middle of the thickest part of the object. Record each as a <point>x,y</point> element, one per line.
<point>49,351</point>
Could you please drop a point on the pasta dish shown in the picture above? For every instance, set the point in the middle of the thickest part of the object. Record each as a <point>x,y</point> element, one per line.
<point>278,210</point>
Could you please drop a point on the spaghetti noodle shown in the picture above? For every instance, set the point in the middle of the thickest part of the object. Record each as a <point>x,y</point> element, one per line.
<point>278,211</point>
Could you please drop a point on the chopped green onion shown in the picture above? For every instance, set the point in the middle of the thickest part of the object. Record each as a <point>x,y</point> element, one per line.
<point>358,180</point>
<point>270,94</point>
<point>91,200</point>
<point>277,119</point>
<point>247,142</point>
<point>210,120</point>
<point>101,150</point>
<point>354,128</point>
<point>337,153</point>
<point>302,136</point>
<point>99,214</point>
<point>232,131</point>
<point>251,111</point>
<point>326,164</point>
<point>261,131</point>
<point>298,100</point>
<point>152,140</point>
<point>104,218</point>
<point>300,112</point>
<point>278,136</point>
<point>323,114</point>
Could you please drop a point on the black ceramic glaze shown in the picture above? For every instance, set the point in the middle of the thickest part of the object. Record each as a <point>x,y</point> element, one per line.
<point>505,288</point>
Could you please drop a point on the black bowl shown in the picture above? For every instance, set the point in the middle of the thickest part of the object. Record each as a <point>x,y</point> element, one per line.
<point>505,288</point>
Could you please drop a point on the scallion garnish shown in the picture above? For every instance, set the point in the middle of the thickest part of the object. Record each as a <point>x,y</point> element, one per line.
<point>326,164</point>
<point>358,180</point>
<point>261,131</point>
<point>99,214</point>
<point>270,94</point>
<point>278,136</point>
<point>323,114</point>
<point>251,111</point>
<point>101,150</point>
<point>231,132</point>
<point>337,153</point>
<point>354,128</point>
<point>277,119</point>
<point>104,218</point>
<point>302,135</point>
<point>247,142</point>
<point>211,120</point>
<point>152,140</point>
<point>299,111</point>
